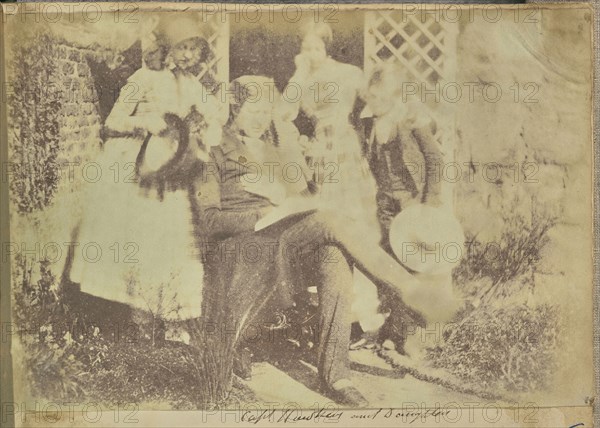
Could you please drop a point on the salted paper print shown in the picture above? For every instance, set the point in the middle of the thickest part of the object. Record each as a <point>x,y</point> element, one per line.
<point>374,215</point>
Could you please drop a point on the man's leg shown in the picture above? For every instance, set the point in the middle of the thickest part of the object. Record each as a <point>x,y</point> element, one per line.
<point>358,241</point>
<point>325,265</point>
<point>307,247</point>
<point>334,282</point>
<point>361,245</point>
<point>332,273</point>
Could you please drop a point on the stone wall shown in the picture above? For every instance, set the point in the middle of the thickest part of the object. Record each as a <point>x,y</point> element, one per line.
<point>80,120</point>
<point>532,144</point>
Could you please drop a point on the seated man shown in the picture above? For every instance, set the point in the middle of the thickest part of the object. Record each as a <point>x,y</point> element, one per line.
<point>245,268</point>
<point>401,150</point>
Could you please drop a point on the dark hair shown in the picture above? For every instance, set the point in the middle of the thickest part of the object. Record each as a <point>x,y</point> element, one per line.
<point>161,55</point>
<point>242,89</point>
<point>204,56</point>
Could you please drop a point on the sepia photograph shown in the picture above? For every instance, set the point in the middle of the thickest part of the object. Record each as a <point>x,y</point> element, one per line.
<point>262,214</point>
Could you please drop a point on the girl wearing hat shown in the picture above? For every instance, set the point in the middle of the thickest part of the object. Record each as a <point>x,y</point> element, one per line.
<point>137,216</point>
<point>245,268</point>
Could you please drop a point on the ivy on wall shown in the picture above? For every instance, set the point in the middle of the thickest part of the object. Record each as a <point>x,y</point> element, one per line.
<point>35,104</point>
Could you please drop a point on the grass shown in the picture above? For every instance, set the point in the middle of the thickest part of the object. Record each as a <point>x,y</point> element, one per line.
<point>506,349</point>
<point>492,270</point>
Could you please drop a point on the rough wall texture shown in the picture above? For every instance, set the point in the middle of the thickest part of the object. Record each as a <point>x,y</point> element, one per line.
<point>80,120</point>
<point>530,142</point>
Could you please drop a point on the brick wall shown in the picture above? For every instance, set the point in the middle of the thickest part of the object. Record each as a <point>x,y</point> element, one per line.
<point>79,119</point>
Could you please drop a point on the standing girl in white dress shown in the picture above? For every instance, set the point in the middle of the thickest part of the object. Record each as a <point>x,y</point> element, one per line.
<point>136,243</point>
<point>327,92</point>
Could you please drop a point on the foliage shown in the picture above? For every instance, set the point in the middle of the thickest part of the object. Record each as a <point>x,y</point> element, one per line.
<point>70,354</point>
<point>508,348</point>
<point>35,105</point>
<point>40,315</point>
<point>491,268</point>
<point>498,340</point>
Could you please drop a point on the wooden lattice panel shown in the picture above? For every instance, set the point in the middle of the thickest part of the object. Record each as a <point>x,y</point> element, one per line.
<point>421,42</point>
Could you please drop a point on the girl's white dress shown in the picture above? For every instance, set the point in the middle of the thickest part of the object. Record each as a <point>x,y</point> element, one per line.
<point>134,247</point>
<point>328,97</point>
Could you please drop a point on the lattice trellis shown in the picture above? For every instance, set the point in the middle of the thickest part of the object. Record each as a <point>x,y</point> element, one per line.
<point>423,43</point>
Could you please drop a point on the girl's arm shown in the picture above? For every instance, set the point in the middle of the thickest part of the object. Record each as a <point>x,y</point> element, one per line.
<point>361,84</point>
<point>290,106</point>
<point>123,119</point>
<point>221,107</point>
<point>207,118</point>
<point>216,116</point>
<point>359,101</point>
<point>213,107</point>
<point>291,153</point>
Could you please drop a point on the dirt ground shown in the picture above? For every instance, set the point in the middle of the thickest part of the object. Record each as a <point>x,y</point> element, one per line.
<point>382,385</point>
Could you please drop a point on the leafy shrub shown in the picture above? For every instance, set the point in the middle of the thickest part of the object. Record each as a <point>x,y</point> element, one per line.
<point>141,372</point>
<point>35,105</point>
<point>492,270</point>
<point>54,372</point>
<point>509,348</point>
<point>68,355</point>
<point>39,312</point>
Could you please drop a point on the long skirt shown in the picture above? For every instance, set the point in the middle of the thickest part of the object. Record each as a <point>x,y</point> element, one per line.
<point>134,247</point>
